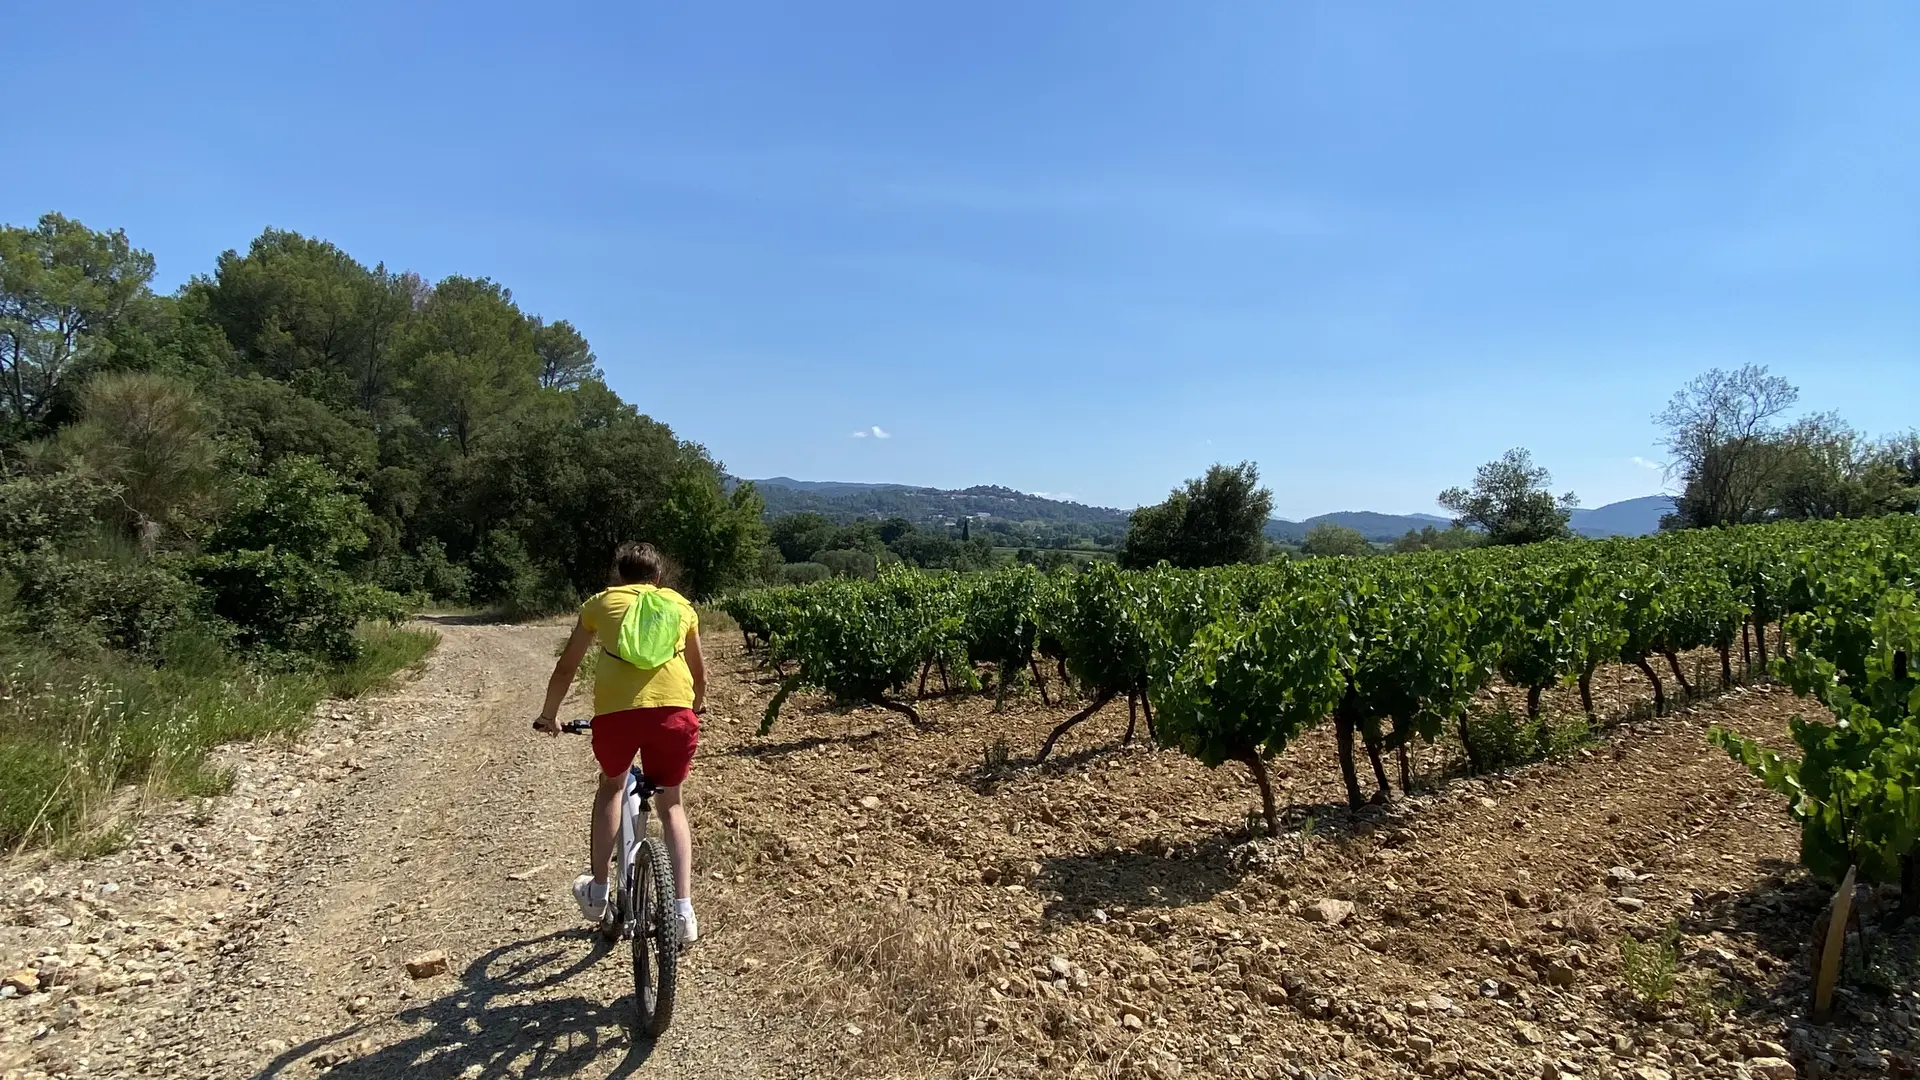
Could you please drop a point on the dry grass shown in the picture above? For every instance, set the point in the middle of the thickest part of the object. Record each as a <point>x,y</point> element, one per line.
<point>890,983</point>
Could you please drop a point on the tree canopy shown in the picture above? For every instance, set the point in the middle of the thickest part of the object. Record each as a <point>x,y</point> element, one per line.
<point>1327,538</point>
<point>1213,520</point>
<point>1738,460</point>
<point>494,464</point>
<point>1510,502</point>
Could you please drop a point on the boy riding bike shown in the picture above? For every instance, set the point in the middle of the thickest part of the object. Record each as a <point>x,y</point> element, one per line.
<point>649,686</point>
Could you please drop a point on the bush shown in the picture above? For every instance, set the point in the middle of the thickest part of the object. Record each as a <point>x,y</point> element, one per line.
<point>1504,739</point>
<point>801,573</point>
<point>279,603</point>
<point>272,567</point>
<point>849,564</point>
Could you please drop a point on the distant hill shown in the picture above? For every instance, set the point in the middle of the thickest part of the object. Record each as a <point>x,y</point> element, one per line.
<point>924,506</point>
<point>927,506</point>
<point>1379,528</point>
<point>1631,517</point>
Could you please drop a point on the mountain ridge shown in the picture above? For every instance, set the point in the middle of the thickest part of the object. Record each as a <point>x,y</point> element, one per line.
<point>849,500</point>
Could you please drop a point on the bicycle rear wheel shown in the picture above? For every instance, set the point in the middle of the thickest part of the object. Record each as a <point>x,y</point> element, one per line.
<point>656,939</point>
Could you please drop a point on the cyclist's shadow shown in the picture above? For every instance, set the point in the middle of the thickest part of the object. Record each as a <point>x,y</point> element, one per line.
<point>497,1023</point>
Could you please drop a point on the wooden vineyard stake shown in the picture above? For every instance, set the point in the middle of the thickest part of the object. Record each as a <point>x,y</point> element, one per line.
<point>1829,944</point>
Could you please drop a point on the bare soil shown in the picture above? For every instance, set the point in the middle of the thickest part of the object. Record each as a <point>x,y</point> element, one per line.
<point>877,900</point>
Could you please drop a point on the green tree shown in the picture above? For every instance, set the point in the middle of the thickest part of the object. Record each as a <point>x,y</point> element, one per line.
<point>275,568</point>
<point>1213,520</point>
<point>566,360</point>
<point>1826,469</point>
<point>798,536</point>
<point>470,361</point>
<point>1511,503</point>
<point>64,290</point>
<point>1327,538</point>
<point>1721,433</point>
<point>302,311</point>
<point>147,436</point>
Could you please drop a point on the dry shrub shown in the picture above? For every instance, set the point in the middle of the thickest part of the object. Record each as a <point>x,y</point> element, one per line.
<point>906,978</point>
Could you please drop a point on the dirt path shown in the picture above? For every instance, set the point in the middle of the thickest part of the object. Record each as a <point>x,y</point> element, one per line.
<point>444,824</point>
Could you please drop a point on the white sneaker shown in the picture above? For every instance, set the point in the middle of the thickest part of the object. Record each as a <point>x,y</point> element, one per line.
<point>591,896</point>
<point>689,929</point>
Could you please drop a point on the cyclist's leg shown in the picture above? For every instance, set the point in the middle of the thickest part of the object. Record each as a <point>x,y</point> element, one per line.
<point>673,822</point>
<point>616,741</point>
<point>605,827</point>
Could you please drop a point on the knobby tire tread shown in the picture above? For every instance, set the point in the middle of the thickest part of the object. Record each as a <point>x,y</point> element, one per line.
<point>656,952</point>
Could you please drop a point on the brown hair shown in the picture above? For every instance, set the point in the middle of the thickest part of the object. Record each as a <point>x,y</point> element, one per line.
<point>635,563</point>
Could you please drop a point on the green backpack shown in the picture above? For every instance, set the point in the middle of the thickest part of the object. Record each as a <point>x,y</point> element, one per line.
<point>649,632</point>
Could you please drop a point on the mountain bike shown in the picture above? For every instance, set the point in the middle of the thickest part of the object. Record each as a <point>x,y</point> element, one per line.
<point>640,900</point>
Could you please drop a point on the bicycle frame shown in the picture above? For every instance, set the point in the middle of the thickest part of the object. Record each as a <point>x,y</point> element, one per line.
<point>636,806</point>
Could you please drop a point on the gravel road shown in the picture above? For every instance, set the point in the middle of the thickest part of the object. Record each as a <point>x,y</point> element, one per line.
<point>266,933</point>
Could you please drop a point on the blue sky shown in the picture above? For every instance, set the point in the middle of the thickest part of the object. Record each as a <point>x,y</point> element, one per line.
<point>1083,248</point>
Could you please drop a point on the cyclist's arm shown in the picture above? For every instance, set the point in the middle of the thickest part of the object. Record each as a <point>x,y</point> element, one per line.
<point>564,670</point>
<point>698,667</point>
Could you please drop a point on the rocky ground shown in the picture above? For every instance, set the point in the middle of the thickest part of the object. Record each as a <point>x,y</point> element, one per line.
<point>880,901</point>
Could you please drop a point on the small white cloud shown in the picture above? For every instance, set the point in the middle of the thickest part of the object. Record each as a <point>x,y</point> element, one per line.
<point>1644,463</point>
<point>1056,496</point>
<point>881,433</point>
<point>861,434</point>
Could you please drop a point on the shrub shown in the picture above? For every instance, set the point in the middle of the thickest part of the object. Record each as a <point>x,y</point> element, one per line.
<point>273,567</point>
<point>802,573</point>
<point>848,564</point>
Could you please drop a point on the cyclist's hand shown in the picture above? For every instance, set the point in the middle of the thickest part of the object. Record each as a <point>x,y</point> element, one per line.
<point>546,724</point>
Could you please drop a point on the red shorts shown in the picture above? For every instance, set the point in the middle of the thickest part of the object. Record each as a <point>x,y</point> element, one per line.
<point>665,739</point>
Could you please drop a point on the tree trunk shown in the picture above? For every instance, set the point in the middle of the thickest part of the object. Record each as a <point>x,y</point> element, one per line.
<point>1760,639</point>
<point>1726,666</point>
<point>1746,645</point>
<point>945,686</point>
<point>1673,661</point>
<point>1659,692</point>
<point>1046,748</point>
<point>1406,770</point>
<point>1586,692</point>
<point>1004,673</point>
<point>1372,741</point>
<point>1258,767</point>
<point>1474,764</point>
<point>1038,681</point>
<point>925,666</point>
<point>1533,702</point>
<point>1133,717</point>
<point>1343,737</point>
<point>1146,713</point>
<point>787,687</point>
<point>901,707</point>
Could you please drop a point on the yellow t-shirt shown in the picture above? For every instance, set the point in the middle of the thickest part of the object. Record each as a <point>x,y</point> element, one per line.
<point>618,685</point>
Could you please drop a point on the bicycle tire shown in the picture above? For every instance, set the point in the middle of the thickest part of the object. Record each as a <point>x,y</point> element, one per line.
<point>656,939</point>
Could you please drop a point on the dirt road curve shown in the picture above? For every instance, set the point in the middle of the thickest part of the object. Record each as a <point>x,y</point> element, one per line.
<point>441,822</point>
